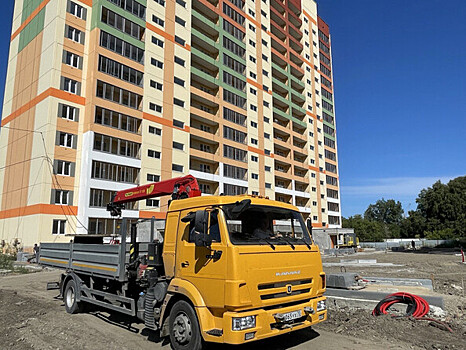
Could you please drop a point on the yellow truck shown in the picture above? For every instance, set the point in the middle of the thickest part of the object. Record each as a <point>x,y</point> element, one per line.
<point>230,269</point>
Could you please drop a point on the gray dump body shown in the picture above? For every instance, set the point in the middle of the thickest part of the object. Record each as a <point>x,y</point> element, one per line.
<point>103,260</point>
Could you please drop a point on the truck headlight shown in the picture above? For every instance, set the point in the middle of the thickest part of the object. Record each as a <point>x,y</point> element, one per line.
<point>321,305</point>
<point>240,323</point>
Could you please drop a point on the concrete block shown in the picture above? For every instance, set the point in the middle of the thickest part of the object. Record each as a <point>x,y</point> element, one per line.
<point>342,280</point>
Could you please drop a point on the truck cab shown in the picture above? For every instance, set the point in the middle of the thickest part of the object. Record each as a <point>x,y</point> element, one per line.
<point>247,266</point>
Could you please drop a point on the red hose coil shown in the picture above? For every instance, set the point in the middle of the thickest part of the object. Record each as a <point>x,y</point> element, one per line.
<point>417,306</point>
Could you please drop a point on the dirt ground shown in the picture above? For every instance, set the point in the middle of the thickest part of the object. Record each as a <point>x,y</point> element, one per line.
<point>30,317</point>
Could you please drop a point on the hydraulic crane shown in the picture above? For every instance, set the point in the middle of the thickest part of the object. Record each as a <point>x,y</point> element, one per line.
<point>178,188</point>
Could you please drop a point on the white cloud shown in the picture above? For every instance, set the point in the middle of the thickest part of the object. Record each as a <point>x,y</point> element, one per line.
<point>392,187</point>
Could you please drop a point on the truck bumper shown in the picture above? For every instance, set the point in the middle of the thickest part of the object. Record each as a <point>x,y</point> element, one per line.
<point>267,325</point>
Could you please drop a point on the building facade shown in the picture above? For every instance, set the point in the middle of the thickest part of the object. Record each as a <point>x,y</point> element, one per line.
<point>103,95</point>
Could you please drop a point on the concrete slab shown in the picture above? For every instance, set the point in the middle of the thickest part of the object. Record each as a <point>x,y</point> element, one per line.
<point>368,299</point>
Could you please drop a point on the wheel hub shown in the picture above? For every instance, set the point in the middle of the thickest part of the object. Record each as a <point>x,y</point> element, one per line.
<point>70,297</point>
<point>182,328</point>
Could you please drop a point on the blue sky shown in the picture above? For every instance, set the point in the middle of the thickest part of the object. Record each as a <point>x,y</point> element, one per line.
<point>400,94</point>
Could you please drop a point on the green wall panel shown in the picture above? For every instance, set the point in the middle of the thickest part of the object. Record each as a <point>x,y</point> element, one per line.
<point>31,30</point>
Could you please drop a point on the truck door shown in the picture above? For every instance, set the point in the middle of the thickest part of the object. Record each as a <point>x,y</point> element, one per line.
<point>196,264</point>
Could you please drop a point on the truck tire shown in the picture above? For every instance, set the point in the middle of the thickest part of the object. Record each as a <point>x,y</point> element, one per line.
<point>72,306</point>
<point>184,327</point>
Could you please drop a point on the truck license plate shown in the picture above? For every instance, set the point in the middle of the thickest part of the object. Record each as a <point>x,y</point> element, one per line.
<point>289,316</point>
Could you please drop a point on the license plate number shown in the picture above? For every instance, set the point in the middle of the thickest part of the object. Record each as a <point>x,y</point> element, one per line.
<point>289,316</point>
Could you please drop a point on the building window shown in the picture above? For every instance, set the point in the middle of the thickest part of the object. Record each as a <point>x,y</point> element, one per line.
<point>253,75</point>
<point>153,154</point>
<point>234,135</point>
<point>62,168</point>
<point>162,2</point>
<point>179,40</point>
<point>157,41</point>
<point>71,86</point>
<point>156,85</point>
<point>253,124</point>
<point>252,59</point>
<point>234,172</point>
<point>177,145</point>
<point>122,24</point>
<point>65,139</point>
<point>252,43</point>
<point>267,168</point>
<point>68,112</point>
<point>253,108</point>
<point>252,28</point>
<point>155,131</point>
<point>132,6</point>
<point>153,178</point>
<point>180,21</point>
<point>254,141</point>
<point>235,153</point>
<point>205,168</point>
<point>178,123</point>
<point>155,107</point>
<point>254,176</point>
<point>58,227</point>
<point>179,61</point>
<point>266,104</point>
<point>74,34</point>
<point>156,63</point>
<point>181,3</point>
<point>177,167</point>
<point>116,120</point>
<point>268,185</point>
<point>158,20</point>
<point>265,72</point>
<point>178,102</point>
<point>118,95</point>
<point>72,59</point>
<point>254,158</point>
<point>120,71</point>
<point>123,48</point>
<point>234,190</point>
<point>267,136</point>
<point>253,91</point>
<point>179,81</point>
<point>76,10</point>
<point>114,172</point>
<point>152,202</point>
<point>62,197</point>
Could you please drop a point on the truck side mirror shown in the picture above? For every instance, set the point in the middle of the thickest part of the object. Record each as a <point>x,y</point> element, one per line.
<point>201,224</point>
<point>309,225</point>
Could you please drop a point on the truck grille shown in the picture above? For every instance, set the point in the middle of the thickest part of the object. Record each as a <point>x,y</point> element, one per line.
<point>270,291</point>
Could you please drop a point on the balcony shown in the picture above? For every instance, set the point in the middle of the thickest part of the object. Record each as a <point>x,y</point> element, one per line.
<point>295,45</point>
<point>205,11</point>
<point>280,48</point>
<point>278,5</point>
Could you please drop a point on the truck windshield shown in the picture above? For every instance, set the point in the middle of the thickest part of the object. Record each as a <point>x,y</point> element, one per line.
<point>265,224</point>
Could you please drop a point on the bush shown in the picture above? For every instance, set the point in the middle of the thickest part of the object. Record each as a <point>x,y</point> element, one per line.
<point>6,262</point>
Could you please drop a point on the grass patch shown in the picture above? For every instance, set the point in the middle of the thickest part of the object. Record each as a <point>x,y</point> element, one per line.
<point>6,263</point>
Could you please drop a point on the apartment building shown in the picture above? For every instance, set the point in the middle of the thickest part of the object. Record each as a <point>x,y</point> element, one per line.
<point>103,95</point>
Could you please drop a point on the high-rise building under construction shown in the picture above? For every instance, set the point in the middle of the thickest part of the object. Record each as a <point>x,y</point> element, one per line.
<point>103,95</point>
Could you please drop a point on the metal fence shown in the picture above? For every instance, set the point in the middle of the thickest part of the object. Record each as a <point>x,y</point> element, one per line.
<point>420,243</point>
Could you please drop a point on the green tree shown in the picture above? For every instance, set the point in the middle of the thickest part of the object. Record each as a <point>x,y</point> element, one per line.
<point>366,231</point>
<point>385,211</point>
<point>443,206</point>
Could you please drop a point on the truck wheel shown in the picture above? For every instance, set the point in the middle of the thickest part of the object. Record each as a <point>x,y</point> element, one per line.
<point>72,306</point>
<point>184,327</point>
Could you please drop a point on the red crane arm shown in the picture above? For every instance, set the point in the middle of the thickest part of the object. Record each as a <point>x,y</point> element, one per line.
<point>178,188</point>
